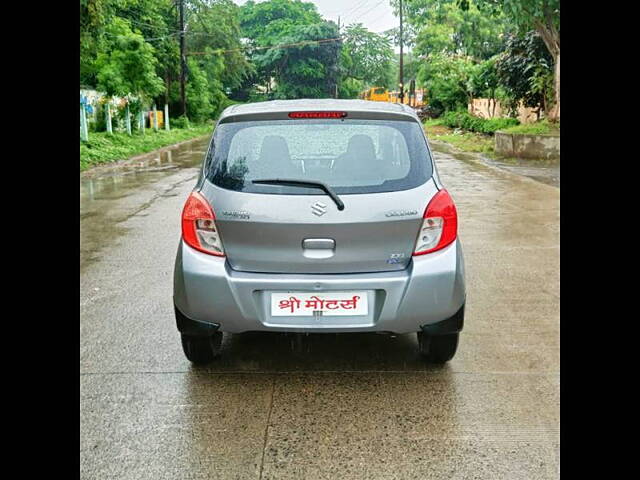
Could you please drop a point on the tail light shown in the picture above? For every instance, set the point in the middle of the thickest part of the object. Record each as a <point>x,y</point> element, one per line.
<point>199,229</point>
<point>440,225</point>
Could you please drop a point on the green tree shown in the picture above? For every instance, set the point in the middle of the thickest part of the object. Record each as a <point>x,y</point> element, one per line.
<point>127,64</point>
<point>367,57</point>
<point>543,16</point>
<point>452,45</point>
<point>411,67</point>
<point>350,88</point>
<point>447,79</point>
<point>484,81</point>
<point>271,23</point>
<point>308,66</point>
<point>132,47</point>
<point>264,23</point>
<point>215,25</point>
<point>94,15</point>
<point>525,69</point>
<point>440,26</point>
<point>200,101</point>
<point>156,21</point>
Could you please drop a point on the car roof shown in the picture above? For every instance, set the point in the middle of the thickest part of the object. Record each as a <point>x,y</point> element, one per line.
<point>286,106</point>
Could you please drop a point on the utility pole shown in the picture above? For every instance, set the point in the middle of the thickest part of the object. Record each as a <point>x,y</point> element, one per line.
<point>338,59</point>
<point>401,85</point>
<point>183,100</point>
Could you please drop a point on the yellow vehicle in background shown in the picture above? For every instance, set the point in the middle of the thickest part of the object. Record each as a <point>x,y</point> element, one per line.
<point>417,100</point>
<point>381,94</point>
<point>376,94</point>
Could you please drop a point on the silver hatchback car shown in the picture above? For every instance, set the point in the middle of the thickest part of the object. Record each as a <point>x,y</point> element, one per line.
<point>319,216</point>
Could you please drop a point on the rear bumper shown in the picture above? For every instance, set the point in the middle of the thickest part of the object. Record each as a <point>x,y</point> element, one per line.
<point>430,290</point>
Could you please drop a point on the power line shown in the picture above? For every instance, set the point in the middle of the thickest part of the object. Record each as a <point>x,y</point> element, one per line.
<point>339,11</point>
<point>188,34</point>
<point>145,39</point>
<point>283,45</point>
<point>357,7</point>
<point>373,22</point>
<point>352,11</point>
<point>371,9</point>
<point>138,22</point>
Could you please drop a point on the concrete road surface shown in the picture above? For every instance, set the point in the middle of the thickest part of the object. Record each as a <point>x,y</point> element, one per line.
<point>350,406</point>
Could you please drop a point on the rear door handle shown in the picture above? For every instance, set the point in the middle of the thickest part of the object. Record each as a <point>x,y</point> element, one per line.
<point>319,244</point>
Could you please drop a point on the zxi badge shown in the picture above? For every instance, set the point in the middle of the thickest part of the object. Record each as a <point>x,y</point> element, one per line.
<point>319,209</point>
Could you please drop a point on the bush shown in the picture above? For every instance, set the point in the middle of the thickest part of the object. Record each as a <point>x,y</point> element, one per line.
<point>543,127</point>
<point>492,125</point>
<point>180,122</point>
<point>472,123</point>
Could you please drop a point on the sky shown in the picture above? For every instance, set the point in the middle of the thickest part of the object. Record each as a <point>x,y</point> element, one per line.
<point>376,15</point>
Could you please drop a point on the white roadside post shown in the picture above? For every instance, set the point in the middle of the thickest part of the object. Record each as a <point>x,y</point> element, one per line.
<point>84,132</point>
<point>155,118</point>
<point>128,115</point>
<point>142,119</point>
<point>108,113</point>
<point>166,117</point>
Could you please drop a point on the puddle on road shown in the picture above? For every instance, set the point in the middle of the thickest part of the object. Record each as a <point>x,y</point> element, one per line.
<point>544,171</point>
<point>117,180</point>
<point>100,214</point>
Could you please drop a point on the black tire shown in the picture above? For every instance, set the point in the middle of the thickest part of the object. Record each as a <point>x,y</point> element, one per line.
<point>200,350</point>
<point>438,348</point>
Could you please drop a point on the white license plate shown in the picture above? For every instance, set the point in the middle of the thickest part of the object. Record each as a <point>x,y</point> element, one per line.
<point>308,304</point>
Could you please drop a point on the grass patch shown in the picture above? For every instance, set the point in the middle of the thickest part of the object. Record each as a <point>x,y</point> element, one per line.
<point>465,141</point>
<point>104,148</point>
<point>543,127</point>
<point>472,123</point>
<point>469,142</point>
<point>435,127</point>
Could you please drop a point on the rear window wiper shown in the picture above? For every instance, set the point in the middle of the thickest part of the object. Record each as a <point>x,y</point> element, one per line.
<point>291,182</point>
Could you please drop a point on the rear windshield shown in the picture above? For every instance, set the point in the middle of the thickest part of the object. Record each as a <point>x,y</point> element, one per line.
<point>351,155</point>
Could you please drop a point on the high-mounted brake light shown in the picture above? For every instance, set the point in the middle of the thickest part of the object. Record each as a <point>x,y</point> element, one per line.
<point>199,229</point>
<point>440,224</point>
<point>317,114</point>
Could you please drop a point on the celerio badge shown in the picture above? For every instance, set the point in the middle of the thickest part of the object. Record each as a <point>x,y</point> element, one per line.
<point>400,213</point>
<point>242,215</point>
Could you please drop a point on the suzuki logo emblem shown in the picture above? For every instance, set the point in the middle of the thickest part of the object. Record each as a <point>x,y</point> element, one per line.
<point>319,209</point>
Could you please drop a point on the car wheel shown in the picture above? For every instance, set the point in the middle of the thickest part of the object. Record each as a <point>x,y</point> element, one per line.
<point>199,349</point>
<point>438,348</point>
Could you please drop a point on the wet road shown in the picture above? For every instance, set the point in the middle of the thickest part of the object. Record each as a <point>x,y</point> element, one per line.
<point>320,406</point>
<point>545,171</point>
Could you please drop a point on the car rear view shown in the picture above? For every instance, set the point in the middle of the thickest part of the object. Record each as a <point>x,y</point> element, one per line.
<point>319,216</point>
